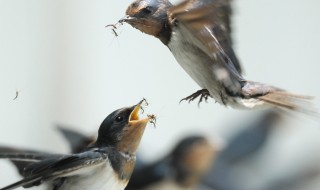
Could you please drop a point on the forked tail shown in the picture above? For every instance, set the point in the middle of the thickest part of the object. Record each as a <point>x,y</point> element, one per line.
<point>290,101</point>
<point>279,98</point>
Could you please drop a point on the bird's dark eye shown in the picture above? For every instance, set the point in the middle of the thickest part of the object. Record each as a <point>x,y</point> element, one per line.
<point>147,10</point>
<point>119,118</point>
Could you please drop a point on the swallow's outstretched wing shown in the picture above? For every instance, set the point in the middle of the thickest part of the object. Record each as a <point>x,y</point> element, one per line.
<point>206,23</point>
<point>21,158</point>
<point>67,165</point>
<point>27,156</point>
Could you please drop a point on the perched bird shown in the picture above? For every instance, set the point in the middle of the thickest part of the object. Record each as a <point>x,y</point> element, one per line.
<point>197,32</point>
<point>180,169</point>
<point>106,164</point>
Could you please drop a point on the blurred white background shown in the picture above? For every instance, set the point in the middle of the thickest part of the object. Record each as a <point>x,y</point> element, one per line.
<point>71,70</point>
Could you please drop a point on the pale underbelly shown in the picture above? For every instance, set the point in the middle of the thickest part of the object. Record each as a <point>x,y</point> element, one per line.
<point>102,179</point>
<point>197,65</point>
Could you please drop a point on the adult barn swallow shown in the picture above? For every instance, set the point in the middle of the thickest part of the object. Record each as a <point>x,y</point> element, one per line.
<point>106,164</point>
<point>197,34</point>
<point>180,169</point>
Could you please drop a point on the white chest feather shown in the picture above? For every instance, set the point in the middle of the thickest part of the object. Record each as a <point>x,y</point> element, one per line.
<point>195,62</point>
<point>191,59</point>
<point>101,178</point>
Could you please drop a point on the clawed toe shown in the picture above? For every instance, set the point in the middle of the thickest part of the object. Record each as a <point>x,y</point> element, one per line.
<point>204,94</point>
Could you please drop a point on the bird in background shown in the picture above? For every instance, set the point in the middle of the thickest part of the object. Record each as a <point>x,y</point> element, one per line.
<point>106,164</point>
<point>182,168</point>
<point>241,147</point>
<point>197,32</point>
<point>76,140</point>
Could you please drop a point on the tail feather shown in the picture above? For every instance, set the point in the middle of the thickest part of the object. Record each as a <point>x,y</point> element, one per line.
<point>289,101</point>
<point>279,97</point>
<point>292,95</point>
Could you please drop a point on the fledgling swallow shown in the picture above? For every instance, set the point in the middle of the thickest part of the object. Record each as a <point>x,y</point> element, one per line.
<point>197,32</point>
<point>180,169</point>
<point>106,164</point>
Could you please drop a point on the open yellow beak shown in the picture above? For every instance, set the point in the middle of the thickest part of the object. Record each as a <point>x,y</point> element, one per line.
<point>134,119</point>
<point>132,136</point>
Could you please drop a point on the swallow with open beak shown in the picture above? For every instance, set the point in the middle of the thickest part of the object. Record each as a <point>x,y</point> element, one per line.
<point>106,164</point>
<point>197,32</point>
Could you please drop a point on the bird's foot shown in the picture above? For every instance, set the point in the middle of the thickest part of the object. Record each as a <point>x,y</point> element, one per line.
<point>203,93</point>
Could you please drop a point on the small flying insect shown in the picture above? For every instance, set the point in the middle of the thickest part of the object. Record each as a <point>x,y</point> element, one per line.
<point>146,104</point>
<point>145,100</point>
<point>114,27</point>
<point>17,94</point>
<point>142,109</point>
<point>153,119</point>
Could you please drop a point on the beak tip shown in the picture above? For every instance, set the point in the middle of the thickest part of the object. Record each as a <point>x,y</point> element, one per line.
<point>123,19</point>
<point>141,102</point>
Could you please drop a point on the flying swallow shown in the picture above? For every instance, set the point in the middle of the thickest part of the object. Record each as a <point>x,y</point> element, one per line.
<point>197,32</point>
<point>106,164</point>
<point>182,168</point>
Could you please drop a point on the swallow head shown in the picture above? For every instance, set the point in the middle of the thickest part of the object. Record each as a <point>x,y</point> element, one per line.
<point>192,158</point>
<point>123,129</point>
<point>148,16</point>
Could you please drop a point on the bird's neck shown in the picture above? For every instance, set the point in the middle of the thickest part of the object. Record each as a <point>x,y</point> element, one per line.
<point>165,33</point>
<point>123,164</point>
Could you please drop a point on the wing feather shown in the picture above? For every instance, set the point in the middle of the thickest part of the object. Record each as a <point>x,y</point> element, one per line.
<point>207,23</point>
<point>67,165</point>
